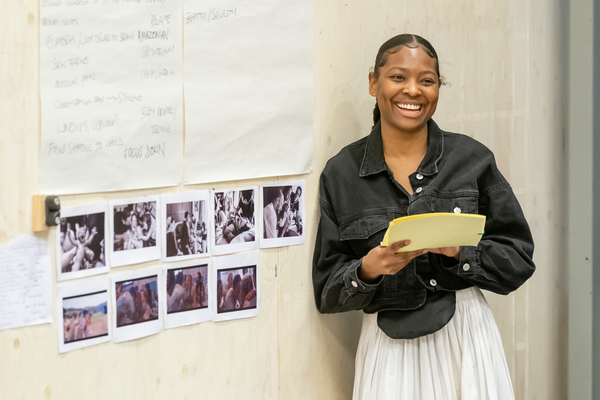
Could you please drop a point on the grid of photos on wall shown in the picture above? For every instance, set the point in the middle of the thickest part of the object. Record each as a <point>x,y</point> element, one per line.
<point>282,214</point>
<point>136,304</point>
<point>186,225</point>
<point>135,235</point>
<point>186,293</point>
<point>234,220</point>
<point>83,306</point>
<point>192,287</point>
<point>81,244</point>
<point>235,284</point>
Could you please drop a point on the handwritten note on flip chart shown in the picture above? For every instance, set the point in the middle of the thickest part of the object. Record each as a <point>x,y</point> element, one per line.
<point>112,96</point>
<point>25,282</point>
<point>248,89</point>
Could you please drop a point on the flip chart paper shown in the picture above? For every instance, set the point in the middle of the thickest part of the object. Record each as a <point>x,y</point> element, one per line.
<point>248,89</point>
<point>430,231</point>
<point>25,282</point>
<point>111,92</point>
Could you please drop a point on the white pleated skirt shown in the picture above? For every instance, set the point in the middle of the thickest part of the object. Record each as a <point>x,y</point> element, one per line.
<point>462,361</point>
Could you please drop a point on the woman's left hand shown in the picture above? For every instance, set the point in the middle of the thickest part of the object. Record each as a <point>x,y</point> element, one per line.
<point>453,252</point>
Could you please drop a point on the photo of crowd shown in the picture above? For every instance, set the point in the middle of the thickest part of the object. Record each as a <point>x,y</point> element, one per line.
<point>186,228</point>
<point>81,241</point>
<point>282,214</point>
<point>234,217</point>
<point>137,300</point>
<point>187,288</point>
<point>85,316</point>
<point>134,226</point>
<point>236,289</point>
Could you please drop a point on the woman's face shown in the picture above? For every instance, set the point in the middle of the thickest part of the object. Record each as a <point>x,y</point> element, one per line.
<point>407,90</point>
<point>140,208</point>
<point>134,221</point>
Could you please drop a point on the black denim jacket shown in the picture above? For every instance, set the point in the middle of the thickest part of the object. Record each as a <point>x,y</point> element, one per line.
<point>359,197</point>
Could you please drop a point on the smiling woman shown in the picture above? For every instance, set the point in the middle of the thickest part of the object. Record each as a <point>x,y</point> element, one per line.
<point>406,82</point>
<point>428,332</point>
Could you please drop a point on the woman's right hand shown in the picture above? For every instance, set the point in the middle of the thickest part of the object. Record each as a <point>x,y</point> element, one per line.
<point>385,261</point>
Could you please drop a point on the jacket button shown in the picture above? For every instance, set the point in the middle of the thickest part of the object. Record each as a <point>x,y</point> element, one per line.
<point>457,210</point>
<point>419,190</point>
<point>466,267</point>
<point>354,284</point>
<point>419,176</point>
<point>433,282</point>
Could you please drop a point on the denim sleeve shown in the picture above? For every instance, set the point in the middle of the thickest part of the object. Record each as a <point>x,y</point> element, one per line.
<point>502,261</point>
<point>335,280</point>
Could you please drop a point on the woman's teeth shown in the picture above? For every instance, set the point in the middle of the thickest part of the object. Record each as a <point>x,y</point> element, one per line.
<point>409,106</point>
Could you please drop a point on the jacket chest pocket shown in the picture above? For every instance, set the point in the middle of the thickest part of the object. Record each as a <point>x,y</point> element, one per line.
<point>365,232</point>
<point>458,204</point>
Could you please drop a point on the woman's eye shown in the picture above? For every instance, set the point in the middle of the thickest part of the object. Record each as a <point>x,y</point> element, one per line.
<point>397,77</point>
<point>428,81</point>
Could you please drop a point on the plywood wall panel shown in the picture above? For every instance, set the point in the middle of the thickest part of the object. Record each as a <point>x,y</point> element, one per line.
<point>505,64</point>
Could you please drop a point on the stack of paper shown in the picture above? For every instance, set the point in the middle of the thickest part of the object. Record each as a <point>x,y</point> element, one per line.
<point>430,231</point>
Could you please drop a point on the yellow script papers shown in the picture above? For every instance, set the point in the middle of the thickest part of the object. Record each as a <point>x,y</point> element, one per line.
<point>431,231</point>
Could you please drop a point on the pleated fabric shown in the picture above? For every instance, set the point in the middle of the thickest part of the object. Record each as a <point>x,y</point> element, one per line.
<point>462,361</point>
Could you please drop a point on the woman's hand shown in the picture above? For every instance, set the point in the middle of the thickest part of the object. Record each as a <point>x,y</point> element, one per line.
<point>453,252</point>
<point>385,261</point>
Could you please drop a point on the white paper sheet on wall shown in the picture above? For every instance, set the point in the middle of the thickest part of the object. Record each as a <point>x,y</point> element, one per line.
<point>25,282</point>
<point>248,89</point>
<point>111,90</point>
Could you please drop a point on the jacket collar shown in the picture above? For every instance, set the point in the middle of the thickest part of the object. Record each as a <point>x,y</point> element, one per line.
<point>374,160</point>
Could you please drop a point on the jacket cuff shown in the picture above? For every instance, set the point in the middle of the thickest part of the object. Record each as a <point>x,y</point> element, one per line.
<point>468,264</point>
<point>353,283</point>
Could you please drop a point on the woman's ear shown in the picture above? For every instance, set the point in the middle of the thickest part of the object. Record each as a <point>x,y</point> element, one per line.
<point>372,84</point>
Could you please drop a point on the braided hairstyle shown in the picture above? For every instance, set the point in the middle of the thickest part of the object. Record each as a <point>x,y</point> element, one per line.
<point>391,47</point>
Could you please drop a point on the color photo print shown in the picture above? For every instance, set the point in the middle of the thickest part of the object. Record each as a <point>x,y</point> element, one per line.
<point>282,214</point>
<point>135,234</point>
<point>236,286</point>
<point>80,243</point>
<point>83,305</point>
<point>234,220</point>
<point>136,304</point>
<point>186,225</point>
<point>186,293</point>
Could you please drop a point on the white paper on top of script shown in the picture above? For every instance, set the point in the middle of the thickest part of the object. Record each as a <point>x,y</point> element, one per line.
<point>25,282</point>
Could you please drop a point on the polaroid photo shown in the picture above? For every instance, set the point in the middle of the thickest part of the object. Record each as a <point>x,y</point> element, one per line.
<point>81,241</point>
<point>282,214</point>
<point>136,299</point>
<point>135,235</point>
<point>186,225</point>
<point>235,286</point>
<point>186,299</point>
<point>234,220</point>
<point>83,307</point>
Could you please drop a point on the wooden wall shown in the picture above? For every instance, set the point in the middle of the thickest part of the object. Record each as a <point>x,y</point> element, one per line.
<point>505,63</point>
